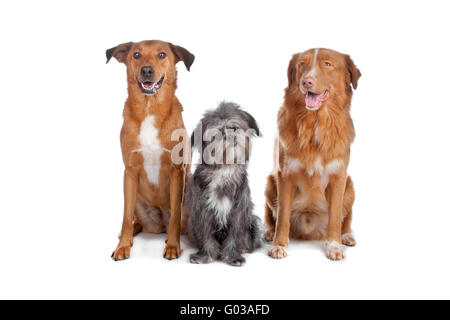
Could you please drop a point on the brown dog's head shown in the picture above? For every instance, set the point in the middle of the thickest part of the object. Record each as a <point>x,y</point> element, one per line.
<point>320,74</point>
<point>150,63</point>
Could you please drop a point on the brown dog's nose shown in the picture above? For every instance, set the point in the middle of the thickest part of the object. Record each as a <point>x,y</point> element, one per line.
<point>308,82</point>
<point>147,72</point>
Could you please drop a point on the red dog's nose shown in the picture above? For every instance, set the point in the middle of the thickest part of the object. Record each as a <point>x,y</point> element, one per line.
<point>308,82</point>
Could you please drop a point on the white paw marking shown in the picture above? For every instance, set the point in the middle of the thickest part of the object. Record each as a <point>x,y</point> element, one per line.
<point>278,252</point>
<point>335,251</point>
<point>349,239</point>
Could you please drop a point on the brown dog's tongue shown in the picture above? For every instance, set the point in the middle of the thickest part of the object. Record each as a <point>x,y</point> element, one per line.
<point>312,100</point>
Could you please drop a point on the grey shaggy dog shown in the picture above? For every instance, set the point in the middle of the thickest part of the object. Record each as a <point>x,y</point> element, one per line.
<point>221,223</point>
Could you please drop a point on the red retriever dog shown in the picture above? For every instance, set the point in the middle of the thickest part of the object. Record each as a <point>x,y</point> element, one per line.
<point>310,195</point>
<point>153,183</point>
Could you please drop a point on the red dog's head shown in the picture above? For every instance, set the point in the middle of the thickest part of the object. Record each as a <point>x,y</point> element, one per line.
<point>320,74</point>
<point>150,64</point>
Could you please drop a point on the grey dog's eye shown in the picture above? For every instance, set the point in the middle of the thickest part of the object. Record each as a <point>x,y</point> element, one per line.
<point>137,55</point>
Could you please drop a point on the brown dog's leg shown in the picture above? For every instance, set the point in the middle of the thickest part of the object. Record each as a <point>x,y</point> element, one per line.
<point>137,228</point>
<point>270,224</point>
<point>286,191</point>
<point>348,238</point>
<point>336,202</point>
<point>126,239</point>
<point>172,250</point>
<point>270,208</point>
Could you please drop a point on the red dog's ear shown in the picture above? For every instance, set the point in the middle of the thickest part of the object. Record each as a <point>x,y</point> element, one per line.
<point>181,54</point>
<point>292,70</point>
<point>353,71</point>
<point>120,52</point>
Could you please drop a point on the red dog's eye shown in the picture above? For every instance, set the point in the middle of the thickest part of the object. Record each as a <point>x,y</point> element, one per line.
<point>327,64</point>
<point>161,55</point>
<point>137,55</point>
<point>302,63</point>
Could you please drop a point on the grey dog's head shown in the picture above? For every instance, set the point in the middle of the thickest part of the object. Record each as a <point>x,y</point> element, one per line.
<point>223,135</point>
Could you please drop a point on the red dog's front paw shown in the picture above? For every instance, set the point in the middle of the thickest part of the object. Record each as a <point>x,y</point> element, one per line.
<point>172,252</point>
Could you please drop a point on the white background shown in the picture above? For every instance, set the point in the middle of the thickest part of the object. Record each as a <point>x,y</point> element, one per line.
<point>61,168</point>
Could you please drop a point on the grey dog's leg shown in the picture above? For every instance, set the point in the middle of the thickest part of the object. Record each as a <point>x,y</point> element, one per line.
<point>200,257</point>
<point>207,252</point>
<point>230,250</point>
<point>231,255</point>
<point>255,234</point>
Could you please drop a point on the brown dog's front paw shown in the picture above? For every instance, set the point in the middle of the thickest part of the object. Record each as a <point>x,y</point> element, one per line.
<point>348,239</point>
<point>172,252</point>
<point>268,235</point>
<point>335,251</point>
<point>278,252</point>
<point>121,253</point>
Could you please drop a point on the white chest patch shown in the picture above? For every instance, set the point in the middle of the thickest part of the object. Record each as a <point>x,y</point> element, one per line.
<point>316,167</point>
<point>221,206</point>
<point>151,149</point>
<point>293,165</point>
<point>330,168</point>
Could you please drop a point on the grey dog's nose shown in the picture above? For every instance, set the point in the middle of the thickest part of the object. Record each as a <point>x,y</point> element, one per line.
<point>147,71</point>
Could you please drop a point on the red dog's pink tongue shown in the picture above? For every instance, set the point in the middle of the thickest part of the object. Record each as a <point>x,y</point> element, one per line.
<point>312,100</point>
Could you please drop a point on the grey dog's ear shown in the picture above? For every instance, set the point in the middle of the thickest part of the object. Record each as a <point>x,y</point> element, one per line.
<point>252,123</point>
<point>181,54</point>
<point>119,52</point>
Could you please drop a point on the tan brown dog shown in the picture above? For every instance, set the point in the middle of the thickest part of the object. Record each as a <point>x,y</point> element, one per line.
<point>309,195</point>
<point>153,184</point>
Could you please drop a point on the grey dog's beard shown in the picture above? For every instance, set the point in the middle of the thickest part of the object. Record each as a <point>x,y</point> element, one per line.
<point>230,154</point>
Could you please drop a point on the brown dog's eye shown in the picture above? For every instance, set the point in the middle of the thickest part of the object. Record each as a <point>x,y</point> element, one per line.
<point>161,55</point>
<point>302,63</point>
<point>327,64</point>
<point>137,55</point>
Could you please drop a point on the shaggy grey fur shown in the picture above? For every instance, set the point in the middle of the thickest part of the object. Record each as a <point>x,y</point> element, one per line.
<point>221,223</point>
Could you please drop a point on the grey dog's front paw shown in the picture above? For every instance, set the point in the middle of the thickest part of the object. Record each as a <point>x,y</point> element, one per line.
<point>197,258</point>
<point>236,261</point>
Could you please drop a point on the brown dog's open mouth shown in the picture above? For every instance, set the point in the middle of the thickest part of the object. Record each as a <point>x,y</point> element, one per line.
<point>314,100</point>
<point>149,88</point>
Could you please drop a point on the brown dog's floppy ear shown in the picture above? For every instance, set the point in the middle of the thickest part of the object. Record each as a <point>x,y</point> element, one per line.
<point>353,71</point>
<point>292,70</point>
<point>120,52</point>
<point>183,55</point>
